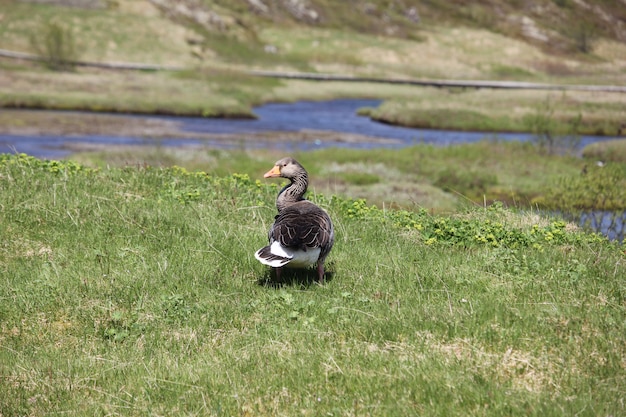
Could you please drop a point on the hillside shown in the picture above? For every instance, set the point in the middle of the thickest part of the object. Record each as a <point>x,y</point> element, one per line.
<point>555,25</point>
<point>215,43</point>
<point>201,31</point>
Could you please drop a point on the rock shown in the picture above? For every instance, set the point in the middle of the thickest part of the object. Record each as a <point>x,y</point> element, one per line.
<point>258,6</point>
<point>301,10</point>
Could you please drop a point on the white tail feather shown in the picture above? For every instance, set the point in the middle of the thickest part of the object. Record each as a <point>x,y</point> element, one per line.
<point>277,256</point>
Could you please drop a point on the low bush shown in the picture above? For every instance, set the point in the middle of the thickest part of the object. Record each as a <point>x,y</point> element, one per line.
<point>606,151</point>
<point>57,46</point>
<point>472,183</point>
<point>553,135</point>
<point>598,187</point>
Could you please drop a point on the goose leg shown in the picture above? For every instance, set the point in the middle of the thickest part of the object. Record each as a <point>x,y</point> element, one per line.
<point>320,273</point>
<point>278,272</point>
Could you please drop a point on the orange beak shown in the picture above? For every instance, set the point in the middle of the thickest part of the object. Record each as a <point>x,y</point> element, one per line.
<point>273,173</point>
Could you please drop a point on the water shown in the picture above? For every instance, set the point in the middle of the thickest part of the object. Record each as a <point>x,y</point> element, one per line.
<point>328,116</point>
<point>610,224</point>
<point>340,116</point>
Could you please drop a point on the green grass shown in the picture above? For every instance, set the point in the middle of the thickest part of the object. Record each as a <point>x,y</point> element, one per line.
<point>201,93</point>
<point>609,151</point>
<point>440,179</point>
<point>504,111</point>
<point>134,291</point>
<point>107,34</point>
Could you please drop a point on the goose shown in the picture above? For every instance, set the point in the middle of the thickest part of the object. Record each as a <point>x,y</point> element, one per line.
<point>302,234</point>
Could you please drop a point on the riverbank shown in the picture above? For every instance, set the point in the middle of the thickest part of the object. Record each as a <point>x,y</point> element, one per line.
<point>424,173</point>
<point>304,125</point>
<point>233,95</point>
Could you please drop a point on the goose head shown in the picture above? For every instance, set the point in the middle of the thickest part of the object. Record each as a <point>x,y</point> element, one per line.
<point>286,168</point>
<point>298,181</point>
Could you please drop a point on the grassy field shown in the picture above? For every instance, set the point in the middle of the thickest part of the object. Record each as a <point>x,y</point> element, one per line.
<point>130,286</point>
<point>134,291</point>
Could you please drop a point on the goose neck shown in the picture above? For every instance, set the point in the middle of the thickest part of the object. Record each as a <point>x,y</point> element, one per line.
<point>292,192</point>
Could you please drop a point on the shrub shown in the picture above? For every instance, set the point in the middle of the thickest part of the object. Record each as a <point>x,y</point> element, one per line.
<point>552,135</point>
<point>57,47</point>
<point>469,183</point>
<point>607,151</point>
<point>596,188</point>
<point>583,35</point>
<point>491,227</point>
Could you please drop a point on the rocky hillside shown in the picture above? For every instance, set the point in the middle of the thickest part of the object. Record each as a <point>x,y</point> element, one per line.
<point>563,26</point>
<point>572,41</point>
<point>558,25</point>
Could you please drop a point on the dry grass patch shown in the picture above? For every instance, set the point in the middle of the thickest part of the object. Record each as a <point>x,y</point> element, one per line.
<point>20,247</point>
<point>383,185</point>
<point>525,372</point>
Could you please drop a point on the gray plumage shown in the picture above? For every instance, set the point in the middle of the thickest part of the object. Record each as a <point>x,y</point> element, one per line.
<point>302,234</point>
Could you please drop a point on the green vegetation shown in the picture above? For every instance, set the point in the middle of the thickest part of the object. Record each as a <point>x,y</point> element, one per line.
<point>130,286</point>
<point>134,291</point>
<point>551,116</point>
<point>551,136</point>
<point>57,45</point>
<point>583,36</point>
<point>596,188</point>
<point>608,151</point>
<point>440,179</point>
<point>472,184</point>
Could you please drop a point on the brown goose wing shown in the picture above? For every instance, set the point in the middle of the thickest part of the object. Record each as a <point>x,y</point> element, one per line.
<point>303,225</point>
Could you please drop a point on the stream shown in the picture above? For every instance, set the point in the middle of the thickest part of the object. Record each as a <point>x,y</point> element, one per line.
<point>327,118</point>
